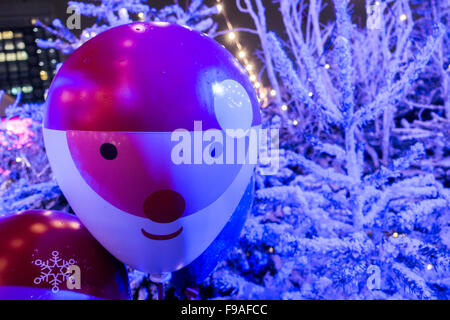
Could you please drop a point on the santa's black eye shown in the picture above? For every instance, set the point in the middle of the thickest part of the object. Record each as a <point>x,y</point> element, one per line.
<point>108,151</point>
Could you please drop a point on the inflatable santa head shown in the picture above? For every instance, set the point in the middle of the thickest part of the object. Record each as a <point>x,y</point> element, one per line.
<point>148,129</point>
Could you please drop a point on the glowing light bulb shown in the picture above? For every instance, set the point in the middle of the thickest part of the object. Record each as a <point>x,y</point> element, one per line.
<point>141,15</point>
<point>327,66</point>
<point>242,54</point>
<point>257,85</point>
<point>219,8</point>
<point>310,94</point>
<point>403,17</point>
<point>249,67</point>
<point>43,74</point>
<point>232,36</point>
<point>429,266</point>
<point>295,122</point>
<point>273,93</point>
<point>284,107</point>
<point>18,159</point>
<point>252,77</point>
<point>395,234</point>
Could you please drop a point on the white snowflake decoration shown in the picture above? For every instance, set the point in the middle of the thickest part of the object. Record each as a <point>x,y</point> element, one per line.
<point>53,271</point>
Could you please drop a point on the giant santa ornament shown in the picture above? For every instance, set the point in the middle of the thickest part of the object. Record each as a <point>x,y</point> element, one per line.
<point>149,130</point>
<point>47,255</point>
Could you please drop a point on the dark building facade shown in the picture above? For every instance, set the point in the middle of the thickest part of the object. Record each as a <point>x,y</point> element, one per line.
<point>23,65</point>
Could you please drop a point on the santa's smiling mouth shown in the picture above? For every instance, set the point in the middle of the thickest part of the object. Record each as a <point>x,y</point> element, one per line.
<point>162,237</point>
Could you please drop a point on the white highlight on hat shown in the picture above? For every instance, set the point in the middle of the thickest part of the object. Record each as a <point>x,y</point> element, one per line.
<point>232,105</point>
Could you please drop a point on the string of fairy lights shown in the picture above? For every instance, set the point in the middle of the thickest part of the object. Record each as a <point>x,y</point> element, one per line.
<point>264,93</point>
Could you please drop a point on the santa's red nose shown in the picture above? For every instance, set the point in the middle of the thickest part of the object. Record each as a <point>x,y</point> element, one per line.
<point>164,206</point>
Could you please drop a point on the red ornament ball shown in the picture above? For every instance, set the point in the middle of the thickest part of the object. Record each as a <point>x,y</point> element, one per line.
<point>49,255</point>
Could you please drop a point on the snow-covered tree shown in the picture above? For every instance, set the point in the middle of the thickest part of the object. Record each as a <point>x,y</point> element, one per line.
<point>358,192</point>
<point>111,13</point>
